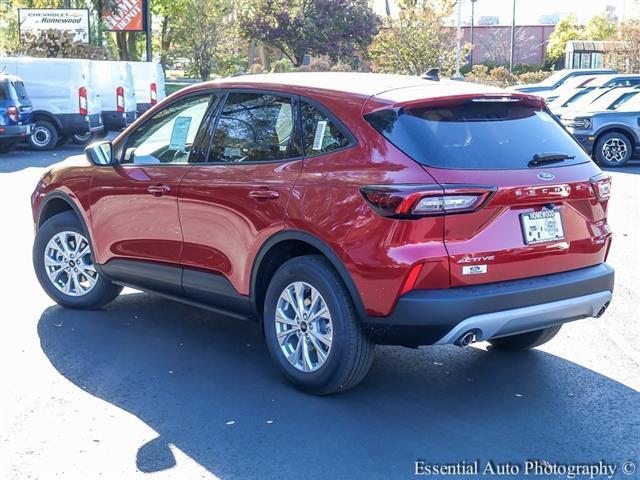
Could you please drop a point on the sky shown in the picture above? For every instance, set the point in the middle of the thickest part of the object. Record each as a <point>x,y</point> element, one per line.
<point>528,11</point>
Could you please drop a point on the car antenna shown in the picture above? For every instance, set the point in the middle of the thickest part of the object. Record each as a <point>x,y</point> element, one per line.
<point>432,74</point>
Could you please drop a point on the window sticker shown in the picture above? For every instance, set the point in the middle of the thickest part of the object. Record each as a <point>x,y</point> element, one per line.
<point>179,133</point>
<point>321,126</point>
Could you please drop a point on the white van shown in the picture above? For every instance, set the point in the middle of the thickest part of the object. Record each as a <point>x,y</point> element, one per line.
<point>117,94</point>
<point>149,80</point>
<point>64,94</point>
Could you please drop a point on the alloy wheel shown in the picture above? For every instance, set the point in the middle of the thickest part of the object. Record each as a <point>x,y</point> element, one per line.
<point>69,265</point>
<point>614,150</point>
<point>303,326</point>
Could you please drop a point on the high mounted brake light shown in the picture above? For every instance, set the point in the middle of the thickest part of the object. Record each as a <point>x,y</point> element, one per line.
<point>414,201</point>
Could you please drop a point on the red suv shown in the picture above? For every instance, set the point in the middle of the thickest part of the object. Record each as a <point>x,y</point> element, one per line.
<point>340,211</point>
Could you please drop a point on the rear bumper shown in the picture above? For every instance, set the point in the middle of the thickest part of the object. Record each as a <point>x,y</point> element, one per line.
<point>427,317</point>
<point>75,123</point>
<point>118,120</point>
<point>15,132</point>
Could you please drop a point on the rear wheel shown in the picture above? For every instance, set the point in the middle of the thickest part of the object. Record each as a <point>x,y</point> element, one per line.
<point>613,149</point>
<point>526,341</point>
<point>311,327</point>
<point>83,138</point>
<point>63,263</point>
<point>44,136</point>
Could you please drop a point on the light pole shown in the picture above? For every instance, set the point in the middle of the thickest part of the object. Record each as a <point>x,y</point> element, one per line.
<point>513,36</point>
<point>473,13</point>
<point>459,40</point>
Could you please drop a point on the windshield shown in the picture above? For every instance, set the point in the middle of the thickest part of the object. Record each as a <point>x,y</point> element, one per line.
<point>554,78</point>
<point>631,104</point>
<point>496,135</point>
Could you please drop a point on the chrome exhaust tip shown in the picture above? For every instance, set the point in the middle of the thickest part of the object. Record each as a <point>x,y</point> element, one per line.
<point>466,339</point>
<point>602,310</point>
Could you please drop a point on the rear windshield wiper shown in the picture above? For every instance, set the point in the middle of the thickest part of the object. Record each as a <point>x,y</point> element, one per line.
<point>541,158</point>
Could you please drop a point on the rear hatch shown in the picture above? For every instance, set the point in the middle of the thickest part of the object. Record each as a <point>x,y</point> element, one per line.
<point>14,101</point>
<point>543,201</point>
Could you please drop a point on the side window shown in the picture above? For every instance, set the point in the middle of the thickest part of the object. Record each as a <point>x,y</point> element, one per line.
<point>167,137</point>
<point>255,127</point>
<point>320,134</point>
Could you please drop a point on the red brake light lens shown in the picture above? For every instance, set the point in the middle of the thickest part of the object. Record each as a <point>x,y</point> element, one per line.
<point>120,99</point>
<point>601,186</point>
<point>411,201</point>
<point>13,114</point>
<point>82,101</point>
<point>153,94</point>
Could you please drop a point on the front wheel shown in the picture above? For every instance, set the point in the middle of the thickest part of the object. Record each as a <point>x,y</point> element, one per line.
<point>64,265</point>
<point>311,327</point>
<point>526,341</point>
<point>613,149</point>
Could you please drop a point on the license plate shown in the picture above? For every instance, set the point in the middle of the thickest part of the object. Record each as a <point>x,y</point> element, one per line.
<point>543,226</point>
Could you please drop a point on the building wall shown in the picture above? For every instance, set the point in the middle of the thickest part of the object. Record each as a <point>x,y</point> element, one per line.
<point>492,43</point>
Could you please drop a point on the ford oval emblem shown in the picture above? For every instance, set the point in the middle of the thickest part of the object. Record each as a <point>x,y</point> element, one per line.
<point>546,176</point>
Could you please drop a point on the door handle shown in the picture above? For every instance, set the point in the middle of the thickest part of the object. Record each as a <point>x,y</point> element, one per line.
<point>264,194</point>
<point>158,190</point>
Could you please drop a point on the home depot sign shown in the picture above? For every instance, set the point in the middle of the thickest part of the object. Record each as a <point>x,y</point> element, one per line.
<point>126,16</point>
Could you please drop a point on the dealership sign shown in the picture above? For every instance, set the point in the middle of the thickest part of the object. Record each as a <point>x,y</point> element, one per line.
<point>125,16</point>
<point>74,20</point>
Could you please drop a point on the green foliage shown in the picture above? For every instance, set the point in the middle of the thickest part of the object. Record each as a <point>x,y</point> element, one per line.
<point>416,41</point>
<point>599,27</point>
<point>566,29</point>
<point>500,76</point>
<point>282,65</point>
<point>340,29</point>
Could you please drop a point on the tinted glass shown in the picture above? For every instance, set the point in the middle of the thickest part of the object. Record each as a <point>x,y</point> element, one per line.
<point>168,136</point>
<point>320,134</point>
<point>255,128</point>
<point>4,90</point>
<point>21,92</point>
<point>476,135</point>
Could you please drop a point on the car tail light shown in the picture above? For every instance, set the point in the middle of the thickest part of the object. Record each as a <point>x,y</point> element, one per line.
<point>153,92</point>
<point>411,201</point>
<point>13,114</point>
<point>601,186</point>
<point>82,101</point>
<point>120,99</point>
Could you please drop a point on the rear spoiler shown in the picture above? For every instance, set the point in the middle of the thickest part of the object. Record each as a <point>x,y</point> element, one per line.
<point>532,101</point>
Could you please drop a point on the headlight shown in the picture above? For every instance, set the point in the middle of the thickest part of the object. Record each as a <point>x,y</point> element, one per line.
<point>577,123</point>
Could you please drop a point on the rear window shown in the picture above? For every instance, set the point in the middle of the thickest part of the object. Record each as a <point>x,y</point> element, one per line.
<point>21,92</point>
<point>476,135</point>
<point>4,90</point>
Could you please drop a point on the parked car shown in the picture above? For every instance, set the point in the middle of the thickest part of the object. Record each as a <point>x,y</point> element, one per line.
<point>590,92</point>
<point>571,84</point>
<point>558,78</point>
<point>149,81</point>
<point>339,210</point>
<point>15,112</point>
<point>64,94</point>
<point>117,94</point>
<point>612,136</point>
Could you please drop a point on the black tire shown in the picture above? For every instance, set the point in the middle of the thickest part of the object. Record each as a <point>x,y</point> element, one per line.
<point>351,353</point>
<point>103,292</point>
<point>44,136</point>
<point>603,147</point>
<point>526,341</point>
<point>83,139</point>
<point>6,147</point>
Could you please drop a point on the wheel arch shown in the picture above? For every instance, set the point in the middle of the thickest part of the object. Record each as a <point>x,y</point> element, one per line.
<point>290,244</point>
<point>47,116</point>
<point>626,131</point>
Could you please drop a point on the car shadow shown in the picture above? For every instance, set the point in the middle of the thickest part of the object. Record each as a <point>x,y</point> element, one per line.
<point>206,385</point>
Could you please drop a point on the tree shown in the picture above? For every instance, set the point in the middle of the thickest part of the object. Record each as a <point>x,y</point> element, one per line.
<point>416,41</point>
<point>566,30</point>
<point>171,14</point>
<point>599,27</point>
<point>340,29</point>
<point>206,35</point>
<point>627,56</point>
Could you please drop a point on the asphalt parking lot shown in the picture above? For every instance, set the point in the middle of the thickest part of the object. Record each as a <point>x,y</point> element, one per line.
<point>147,388</point>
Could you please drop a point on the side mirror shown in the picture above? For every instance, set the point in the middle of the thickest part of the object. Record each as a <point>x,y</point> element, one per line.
<point>100,153</point>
